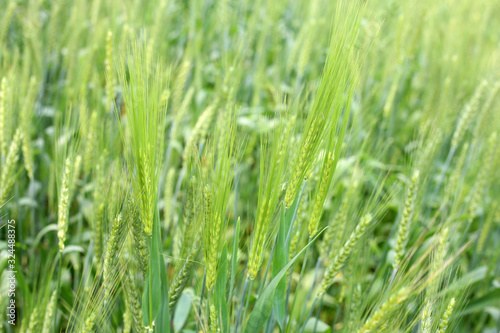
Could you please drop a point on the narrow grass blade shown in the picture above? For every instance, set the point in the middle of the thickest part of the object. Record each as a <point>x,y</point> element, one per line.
<point>263,307</point>
<point>162,323</point>
<point>220,290</point>
<point>234,257</point>
<point>279,261</point>
<point>151,298</point>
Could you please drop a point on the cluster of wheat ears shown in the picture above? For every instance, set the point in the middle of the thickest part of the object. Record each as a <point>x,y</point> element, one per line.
<point>250,166</point>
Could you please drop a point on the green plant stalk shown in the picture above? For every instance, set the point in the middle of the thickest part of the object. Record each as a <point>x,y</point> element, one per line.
<point>154,280</point>
<point>203,286</point>
<point>240,310</point>
<point>151,284</point>
<point>288,238</point>
<point>302,270</point>
<point>320,306</point>
<point>337,313</point>
<point>248,300</point>
<point>57,288</point>
<point>234,260</point>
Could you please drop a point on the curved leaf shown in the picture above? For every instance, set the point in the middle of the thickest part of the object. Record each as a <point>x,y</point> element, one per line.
<point>263,307</point>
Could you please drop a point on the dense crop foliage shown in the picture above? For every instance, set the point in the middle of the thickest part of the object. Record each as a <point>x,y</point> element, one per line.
<point>250,166</point>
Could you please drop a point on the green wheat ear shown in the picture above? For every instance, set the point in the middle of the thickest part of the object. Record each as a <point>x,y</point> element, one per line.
<point>7,177</point>
<point>49,313</point>
<point>109,73</point>
<point>326,176</point>
<point>112,253</point>
<point>88,327</point>
<point>272,173</point>
<point>213,320</point>
<point>331,106</point>
<point>218,180</point>
<point>343,254</point>
<point>212,226</point>
<point>405,224</point>
<point>63,207</point>
<point>443,323</point>
<point>34,321</point>
<point>142,86</point>
<point>382,314</point>
<point>90,143</point>
<point>467,115</point>
<point>426,318</point>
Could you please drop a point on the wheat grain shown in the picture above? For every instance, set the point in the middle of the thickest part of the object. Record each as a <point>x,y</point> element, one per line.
<point>77,166</point>
<point>355,304</point>
<point>308,148</point>
<point>343,254</point>
<point>188,216</point>
<point>213,320</point>
<point>63,207</point>
<point>112,253</point>
<point>325,178</point>
<point>8,177</point>
<point>443,323</point>
<point>257,250</point>
<point>200,130</point>
<point>467,114</point>
<point>405,224</point>
<point>127,321</point>
<point>108,64</point>
<point>34,321</point>
<point>133,297</point>
<point>88,326</point>
<point>179,84</point>
<point>90,143</point>
<point>49,313</point>
<point>181,279</point>
<point>382,314</point>
<point>139,238</point>
<point>426,318</point>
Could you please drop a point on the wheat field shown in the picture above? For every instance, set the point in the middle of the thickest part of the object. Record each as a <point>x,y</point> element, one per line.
<point>249,166</point>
